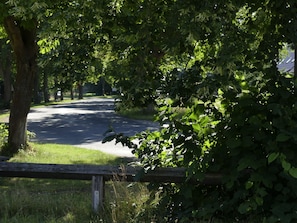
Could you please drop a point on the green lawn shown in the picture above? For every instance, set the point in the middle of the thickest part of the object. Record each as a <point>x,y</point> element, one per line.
<point>64,154</point>
<point>137,113</point>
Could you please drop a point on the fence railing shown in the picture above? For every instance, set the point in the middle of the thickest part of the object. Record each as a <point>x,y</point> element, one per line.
<point>99,174</point>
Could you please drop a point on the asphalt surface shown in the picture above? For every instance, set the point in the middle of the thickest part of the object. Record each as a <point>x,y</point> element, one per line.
<point>83,124</point>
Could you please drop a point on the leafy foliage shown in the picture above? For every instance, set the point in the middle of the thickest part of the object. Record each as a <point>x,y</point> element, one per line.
<point>71,44</point>
<point>250,139</point>
<point>139,33</point>
<point>229,111</point>
<point>3,134</point>
<point>224,107</point>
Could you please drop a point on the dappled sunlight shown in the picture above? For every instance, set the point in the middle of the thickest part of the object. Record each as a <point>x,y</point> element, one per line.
<point>83,123</point>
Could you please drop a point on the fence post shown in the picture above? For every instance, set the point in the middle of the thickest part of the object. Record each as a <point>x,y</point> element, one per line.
<point>97,192</point>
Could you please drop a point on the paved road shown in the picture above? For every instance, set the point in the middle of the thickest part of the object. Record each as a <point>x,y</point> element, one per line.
<point>83,124</point>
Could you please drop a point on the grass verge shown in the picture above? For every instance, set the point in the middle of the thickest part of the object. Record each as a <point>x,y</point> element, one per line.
<point>64,154</point>
<point>48,200</point>
<point>137,113</point>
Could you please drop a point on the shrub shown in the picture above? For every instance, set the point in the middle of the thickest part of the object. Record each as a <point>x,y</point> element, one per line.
<point>246,132</point>
<point>3,134</point>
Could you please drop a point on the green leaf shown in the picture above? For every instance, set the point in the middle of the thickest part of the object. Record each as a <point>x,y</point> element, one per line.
<point>293,172</point>
<point>286,165</point>
<point>259,200</point>
<point>282,137</point>
<point>109,138</point>
<point>244,208</point>
<point>196,127</point>
<point>187,192</point>
<point>233,143</point>
<point>249,185</point>
<point>272,157</point>
<point>243,164</point>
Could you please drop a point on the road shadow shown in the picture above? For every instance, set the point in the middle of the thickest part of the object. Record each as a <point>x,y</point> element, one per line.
<point>81,122</point>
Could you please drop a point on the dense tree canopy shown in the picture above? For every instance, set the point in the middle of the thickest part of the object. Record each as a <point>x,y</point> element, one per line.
<point>72,61</point>
<point>210,66</point>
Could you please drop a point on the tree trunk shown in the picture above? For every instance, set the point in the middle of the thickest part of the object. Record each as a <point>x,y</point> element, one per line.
<point>103,85</point>
<point>45,88</point>
<point>5,70</point>
<point>36,94</point>
<point>71,93</point>
<point>7,82</point>
<point>295,61</point>
<point>23,41</point>
<point>80,91</point>
<point>62,95</point>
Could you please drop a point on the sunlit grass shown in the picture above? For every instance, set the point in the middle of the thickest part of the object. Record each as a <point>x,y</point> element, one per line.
<point>70,202</point>
<point>4,117</point>
<point>137,113</point>
<point>55,200</point>
<point>63,154</point>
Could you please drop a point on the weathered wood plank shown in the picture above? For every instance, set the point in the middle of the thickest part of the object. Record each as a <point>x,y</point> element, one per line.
<point>3,158</point>
<point>99,174</point>
<point>97,192</point>
<point>86,172</point>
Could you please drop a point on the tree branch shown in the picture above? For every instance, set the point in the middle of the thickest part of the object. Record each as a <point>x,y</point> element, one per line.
<point>14,33</point>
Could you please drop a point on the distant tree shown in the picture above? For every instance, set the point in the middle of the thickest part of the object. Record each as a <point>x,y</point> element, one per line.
<point>137,34</point>
<point>73,59</point>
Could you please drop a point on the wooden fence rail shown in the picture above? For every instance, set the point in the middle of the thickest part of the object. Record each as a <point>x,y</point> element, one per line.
<point>99,174</point>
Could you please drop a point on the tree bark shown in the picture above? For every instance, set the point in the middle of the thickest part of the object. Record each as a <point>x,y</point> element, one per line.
<point>23,41</point>
<point>7,82</point>
<point>5,70</point>
<point>71,93</point>
<point>45,88</point>
<point>36,94</point>
<point>80,91</point>
<point>295,61</point>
